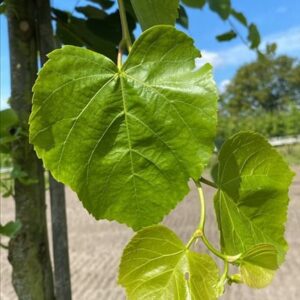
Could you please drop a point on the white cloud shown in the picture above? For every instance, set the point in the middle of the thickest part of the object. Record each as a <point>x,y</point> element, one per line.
<point>288,42</point>
<point>223,85</point>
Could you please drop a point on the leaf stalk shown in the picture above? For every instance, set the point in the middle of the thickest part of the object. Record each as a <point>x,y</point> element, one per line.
<point>199,233</point>
<point>126,39</point>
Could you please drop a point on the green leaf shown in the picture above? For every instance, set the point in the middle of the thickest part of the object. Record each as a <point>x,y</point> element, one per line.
<point>227,36</point>
<point>194,3</point>
<point>101,34</point>
<point>8,129</point>
<point>155,12</point>
<point>183,19</point>
<point>127,141</point>
<point>221,7</point>
<point>106,4</point>
<point>251,203</point>
<point>258,265</point>
<point>91,12</point>
<point>156,265</point>
<point>10,229</point>
<point>239,16</point>
<point>253,36</point>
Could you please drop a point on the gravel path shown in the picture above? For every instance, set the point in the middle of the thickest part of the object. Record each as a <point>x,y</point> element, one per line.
<point>95,249</point>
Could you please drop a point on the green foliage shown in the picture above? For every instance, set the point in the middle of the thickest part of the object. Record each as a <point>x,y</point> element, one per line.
<point>101,32</point>
<point>8,129</point>
<point>183,19</point>
<point>251,202</point>
<point>132,105</point>
<point>270,84</point>
<point>239,16</point>
<point>227,36</point>
<point>254,36</point>
<point>155,12</point>
<point>128,138</point>
<point>157,265</point>
<point>277,124</point>
<point>221,7</point>
<point>10,229</point>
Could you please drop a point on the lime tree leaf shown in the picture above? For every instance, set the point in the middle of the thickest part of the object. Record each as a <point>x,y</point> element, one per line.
<point>155,12</point>
<point>10,229</point>
<point>221,7</point>
<point>127,141</point>
<point>258,265</point>
<point>227,36</point>
<point>239,16</point>
<point>194,3</point>
<point>91,12</point>
<point>251,203</point>
<point>156,265</point>
<point>253,36</point>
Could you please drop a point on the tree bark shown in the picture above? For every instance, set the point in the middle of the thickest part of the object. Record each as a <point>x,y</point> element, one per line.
<point>29,250</point>
<point>62,282</point>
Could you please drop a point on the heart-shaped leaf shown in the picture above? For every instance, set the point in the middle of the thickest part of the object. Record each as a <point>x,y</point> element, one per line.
<point>156,265</point>
<point>126,140</point>
<point>258,265</point>
<point>251,203</point>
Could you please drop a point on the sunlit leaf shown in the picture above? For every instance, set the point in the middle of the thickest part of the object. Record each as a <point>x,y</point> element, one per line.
<point>156,265</point>
<point>251,203</point>
<point>127,141</point>
<point>258,265</point>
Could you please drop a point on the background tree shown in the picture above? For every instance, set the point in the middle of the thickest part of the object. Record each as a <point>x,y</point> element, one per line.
<point>270,84</point>
<point>263,96</point>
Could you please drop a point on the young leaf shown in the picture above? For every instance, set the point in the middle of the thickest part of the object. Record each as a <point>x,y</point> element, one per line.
<point>251,203</point>
<point>227,36</point>
<point>155,12</point>
<point>221,7</point>
<point>157,265</point>
<point>10,229</point>
<point>258,265</point>
<point>239,16</point>
<point>253,36</point>
<point>127,141</point>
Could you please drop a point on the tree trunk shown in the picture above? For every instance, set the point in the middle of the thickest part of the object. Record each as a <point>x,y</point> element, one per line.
<point>29,250</point>
<point>62,280</point>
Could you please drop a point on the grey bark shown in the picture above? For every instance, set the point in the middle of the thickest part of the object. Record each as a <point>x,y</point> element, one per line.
<point>29,250</point>
<point>62,282</point>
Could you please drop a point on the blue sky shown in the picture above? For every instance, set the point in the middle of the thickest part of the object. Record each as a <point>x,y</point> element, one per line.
<point>278,21</point>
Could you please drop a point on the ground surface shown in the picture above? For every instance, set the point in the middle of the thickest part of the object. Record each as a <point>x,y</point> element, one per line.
<point>95,249</point>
